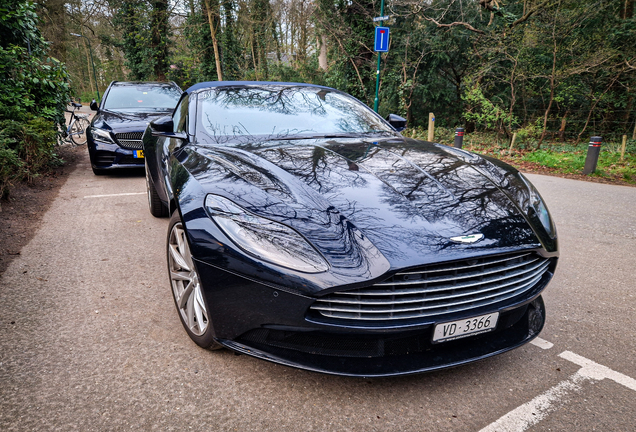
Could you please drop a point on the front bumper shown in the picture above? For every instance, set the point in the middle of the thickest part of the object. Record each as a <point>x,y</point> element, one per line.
<point>272,324</point>
<point>106,156</point>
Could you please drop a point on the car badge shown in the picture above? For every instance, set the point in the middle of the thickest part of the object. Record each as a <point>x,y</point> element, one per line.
<point>470,238</point>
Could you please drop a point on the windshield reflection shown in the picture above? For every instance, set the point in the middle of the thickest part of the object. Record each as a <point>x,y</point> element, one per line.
<point>254,113</point>
<point>133,97</point>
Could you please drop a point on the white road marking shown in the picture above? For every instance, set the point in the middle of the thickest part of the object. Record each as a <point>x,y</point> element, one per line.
<point>598,372</point>
<point>113,195</point>
<point>542,343</point>
<point>530,413</point>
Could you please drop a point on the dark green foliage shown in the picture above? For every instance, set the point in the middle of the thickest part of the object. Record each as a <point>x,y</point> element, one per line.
<point>133,19</point>
<point>34,91</point>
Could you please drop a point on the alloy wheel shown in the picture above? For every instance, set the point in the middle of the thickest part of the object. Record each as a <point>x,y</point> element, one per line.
<point>186,287</point>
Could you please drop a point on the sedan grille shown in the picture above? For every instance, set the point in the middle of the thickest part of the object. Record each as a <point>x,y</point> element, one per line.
<point>130,140</point>
<point>438,289</point>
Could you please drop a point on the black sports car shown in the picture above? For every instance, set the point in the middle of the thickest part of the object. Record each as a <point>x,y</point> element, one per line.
<point>114,136</point>
<point>306,230</point>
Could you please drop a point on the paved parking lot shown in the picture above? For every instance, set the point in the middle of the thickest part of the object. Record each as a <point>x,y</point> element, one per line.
<point>90,340</point>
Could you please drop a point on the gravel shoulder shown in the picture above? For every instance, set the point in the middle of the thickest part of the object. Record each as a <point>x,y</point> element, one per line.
<point>21,214</point>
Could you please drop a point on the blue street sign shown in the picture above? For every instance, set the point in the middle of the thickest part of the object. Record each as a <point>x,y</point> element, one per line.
<point>381,39</point>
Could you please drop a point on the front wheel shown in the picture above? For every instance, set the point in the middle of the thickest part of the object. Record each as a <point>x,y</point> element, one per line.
<point>78,131</point>
<point>186,287</point>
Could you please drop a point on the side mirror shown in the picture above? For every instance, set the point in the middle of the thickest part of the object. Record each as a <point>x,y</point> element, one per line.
<point>162,124</point>
<point>164,127</point>
<point>399,123</point>
<point>94,105</point>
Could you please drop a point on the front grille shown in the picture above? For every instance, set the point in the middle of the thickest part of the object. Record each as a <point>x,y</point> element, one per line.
<point>438,289</point>
<point>130,140</point>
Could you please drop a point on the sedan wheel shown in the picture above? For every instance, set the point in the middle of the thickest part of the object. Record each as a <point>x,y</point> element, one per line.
<point>186,287</point>
<point>157,208</point>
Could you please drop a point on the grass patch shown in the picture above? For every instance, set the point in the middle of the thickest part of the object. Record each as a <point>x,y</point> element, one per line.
<point>610,166</point>
<point>558,157</point>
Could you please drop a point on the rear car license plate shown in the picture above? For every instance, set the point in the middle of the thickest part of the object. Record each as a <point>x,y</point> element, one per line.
<point>466,327</point>
<point>139,154</point>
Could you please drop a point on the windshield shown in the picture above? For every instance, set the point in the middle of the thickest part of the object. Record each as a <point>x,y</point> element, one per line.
<point>283,112</point>
<point>142,97</point>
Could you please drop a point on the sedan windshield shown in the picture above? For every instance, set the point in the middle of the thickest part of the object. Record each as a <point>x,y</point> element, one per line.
<point>283,112</point>
<point>139,97</point>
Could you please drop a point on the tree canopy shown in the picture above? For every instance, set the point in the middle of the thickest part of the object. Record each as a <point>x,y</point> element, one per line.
<point>553,68</point>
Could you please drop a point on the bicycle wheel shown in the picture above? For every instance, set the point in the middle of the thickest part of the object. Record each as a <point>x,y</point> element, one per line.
<point>78,131</point>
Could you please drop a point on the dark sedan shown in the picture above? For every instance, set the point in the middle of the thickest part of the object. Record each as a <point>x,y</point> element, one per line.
<point>306,230</point>
<point>114,137</point>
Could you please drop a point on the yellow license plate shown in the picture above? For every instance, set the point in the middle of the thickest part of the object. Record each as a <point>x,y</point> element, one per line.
<point>139,154</point>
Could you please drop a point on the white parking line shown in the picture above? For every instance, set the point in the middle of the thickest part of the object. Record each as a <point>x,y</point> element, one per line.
<point>113,195</point>
<point>597,371</point>
<point>530,413</point>
<point>541,343</point>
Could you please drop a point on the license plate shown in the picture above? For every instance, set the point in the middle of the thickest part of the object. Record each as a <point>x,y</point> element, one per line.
<point>139,154</point>
<point>467,327</point>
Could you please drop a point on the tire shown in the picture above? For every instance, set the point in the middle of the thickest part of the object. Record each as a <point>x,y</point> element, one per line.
<point>78,131</point>
<point>98,171</point>
<point>186,287</point>
<point>157,207</point>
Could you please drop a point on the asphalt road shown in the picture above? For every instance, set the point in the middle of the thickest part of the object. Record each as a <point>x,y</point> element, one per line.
<point>90,339</point>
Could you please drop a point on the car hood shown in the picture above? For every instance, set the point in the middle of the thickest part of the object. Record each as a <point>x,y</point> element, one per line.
<point>408,198</point>
<point>126,121</point>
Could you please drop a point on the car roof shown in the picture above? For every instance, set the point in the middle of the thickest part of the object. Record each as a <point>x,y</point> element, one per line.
<point>144,83</point>
<point>212,84</point>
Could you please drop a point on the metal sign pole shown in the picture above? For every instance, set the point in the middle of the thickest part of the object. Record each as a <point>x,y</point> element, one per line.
<point>377,76</point>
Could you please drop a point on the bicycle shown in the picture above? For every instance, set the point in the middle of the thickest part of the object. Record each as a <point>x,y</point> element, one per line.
<point>75,133</point>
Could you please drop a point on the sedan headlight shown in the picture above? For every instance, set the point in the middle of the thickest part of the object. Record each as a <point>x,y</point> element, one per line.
<point>265,239</point>
<point>101,135</point>
<point>539,208</point>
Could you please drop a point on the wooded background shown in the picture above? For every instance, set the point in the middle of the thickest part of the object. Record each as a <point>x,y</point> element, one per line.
<point>551,69</point>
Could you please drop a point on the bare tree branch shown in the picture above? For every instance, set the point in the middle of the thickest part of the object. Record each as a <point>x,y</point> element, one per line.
<point>530,13</point>
<point>455,24</point>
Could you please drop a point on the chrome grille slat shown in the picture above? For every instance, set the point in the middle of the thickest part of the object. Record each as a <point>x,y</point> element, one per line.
<point>459,286</point>
<point>363,301</point>
<point>465,267</point>
<point>446,279</point>
<point>428,289</point>
<point>420,314</point>
<point>424,308</point>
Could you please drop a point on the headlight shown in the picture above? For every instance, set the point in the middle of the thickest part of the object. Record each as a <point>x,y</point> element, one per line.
<point>265,239</point>
<point>538,207</point>
<point>101,135</point>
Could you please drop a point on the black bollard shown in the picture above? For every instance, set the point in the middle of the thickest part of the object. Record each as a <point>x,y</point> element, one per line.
<point>593,151</point>
<point>459,137</point>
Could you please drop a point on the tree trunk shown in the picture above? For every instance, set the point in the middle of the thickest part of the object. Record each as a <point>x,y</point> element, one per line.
<point>562,128</point>
<point>547,111</point>
<point>54,27</point>
<point>88,63</point>
<point>322,57</point>
<point>215,42</point>
<point>628,9</point>
<point>159,42</point>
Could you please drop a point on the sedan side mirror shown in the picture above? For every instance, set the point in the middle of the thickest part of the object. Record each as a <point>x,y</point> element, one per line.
<point>399,123</point>
<point>94,105</point>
